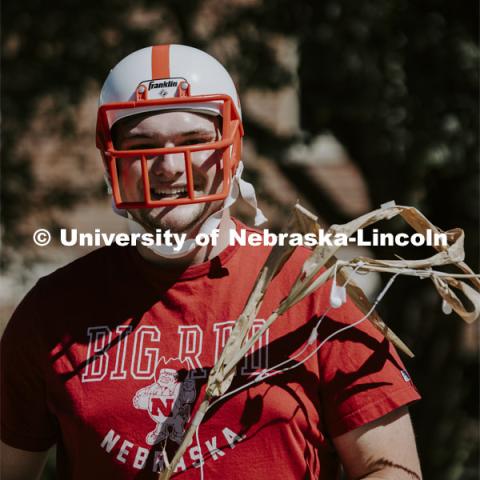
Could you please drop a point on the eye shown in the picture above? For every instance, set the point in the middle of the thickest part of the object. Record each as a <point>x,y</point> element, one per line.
<point>191,142</point>
<point>196,141</point>
<point>142,146</point>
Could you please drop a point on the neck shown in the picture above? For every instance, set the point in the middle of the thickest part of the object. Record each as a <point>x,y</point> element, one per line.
<point>199,254</point>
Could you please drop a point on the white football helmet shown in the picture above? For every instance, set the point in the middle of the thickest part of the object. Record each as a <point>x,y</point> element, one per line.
<point>169,77</point>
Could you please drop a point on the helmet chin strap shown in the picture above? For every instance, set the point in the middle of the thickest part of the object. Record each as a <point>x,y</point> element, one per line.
<point>239,188</point>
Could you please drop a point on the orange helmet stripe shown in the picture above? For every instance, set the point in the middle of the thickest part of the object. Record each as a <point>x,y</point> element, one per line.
<point>161,61</point>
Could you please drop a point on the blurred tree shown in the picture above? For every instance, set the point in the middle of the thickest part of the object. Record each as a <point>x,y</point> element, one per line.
<point>395,81</point>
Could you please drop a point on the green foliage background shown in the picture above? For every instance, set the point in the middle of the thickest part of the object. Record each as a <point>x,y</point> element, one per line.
<point>396,82</point>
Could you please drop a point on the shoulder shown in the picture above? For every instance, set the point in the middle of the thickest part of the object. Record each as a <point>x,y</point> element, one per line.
<point>95,260</point>
<point>67,288</point>
<point>84,272</point>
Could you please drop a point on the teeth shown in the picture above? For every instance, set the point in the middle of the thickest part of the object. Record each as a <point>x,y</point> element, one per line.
<point>169,191</point>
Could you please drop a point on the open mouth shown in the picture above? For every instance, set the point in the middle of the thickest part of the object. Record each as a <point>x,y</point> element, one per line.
<point>169,193</point>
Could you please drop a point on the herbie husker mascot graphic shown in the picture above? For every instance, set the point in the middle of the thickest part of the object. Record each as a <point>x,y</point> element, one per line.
<point>168,402</point>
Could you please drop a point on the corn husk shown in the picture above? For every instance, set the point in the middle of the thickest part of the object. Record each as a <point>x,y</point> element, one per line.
<point>321,266</point>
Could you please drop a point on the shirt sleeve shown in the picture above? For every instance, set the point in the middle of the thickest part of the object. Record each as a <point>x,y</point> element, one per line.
<point>362,376</point>
<point>26,421</point>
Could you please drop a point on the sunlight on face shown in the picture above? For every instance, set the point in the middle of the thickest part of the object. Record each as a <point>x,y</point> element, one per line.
<point>166,173</point>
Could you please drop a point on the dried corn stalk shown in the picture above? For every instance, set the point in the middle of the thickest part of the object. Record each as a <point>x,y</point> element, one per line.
<point>222,373</point>
<point>312,277</point>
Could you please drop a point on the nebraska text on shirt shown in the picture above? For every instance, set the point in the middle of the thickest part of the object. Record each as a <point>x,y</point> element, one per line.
<point>126,451</point>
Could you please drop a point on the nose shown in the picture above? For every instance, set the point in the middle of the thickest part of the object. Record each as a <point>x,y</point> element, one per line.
<point>168,166</point>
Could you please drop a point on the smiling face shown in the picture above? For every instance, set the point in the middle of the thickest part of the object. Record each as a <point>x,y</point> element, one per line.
<point>166,173</point>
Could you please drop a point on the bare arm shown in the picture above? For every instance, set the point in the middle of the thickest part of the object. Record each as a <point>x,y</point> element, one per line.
<point>18,464</point>
<point>381,450</point>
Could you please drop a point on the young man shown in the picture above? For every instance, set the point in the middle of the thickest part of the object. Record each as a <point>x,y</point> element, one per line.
<point>108,356</point>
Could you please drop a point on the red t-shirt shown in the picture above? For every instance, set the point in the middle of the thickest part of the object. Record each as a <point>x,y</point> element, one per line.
<point>108,358</point>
